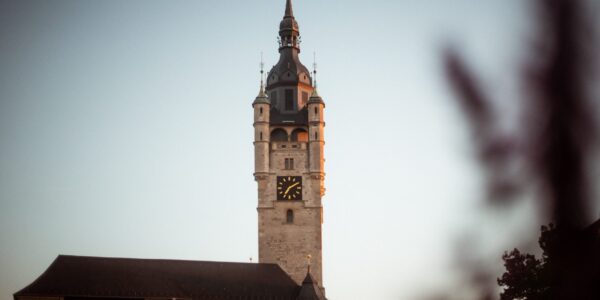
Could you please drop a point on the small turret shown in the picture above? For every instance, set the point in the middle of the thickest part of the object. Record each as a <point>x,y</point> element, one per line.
<point>262,107</point>
<point>316,128</point>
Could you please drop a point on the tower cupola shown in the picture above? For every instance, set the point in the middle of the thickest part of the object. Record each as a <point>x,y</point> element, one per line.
<point>289,82</point>
<point>289,33</point>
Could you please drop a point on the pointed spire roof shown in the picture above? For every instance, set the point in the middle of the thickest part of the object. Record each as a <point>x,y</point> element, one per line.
<point>289,32</point>
<point>310,289</point>
<point>262,97</point>
<point>289,64</point>
<point>315,97</point>
<point>315,93</point>
<point>289,12</point>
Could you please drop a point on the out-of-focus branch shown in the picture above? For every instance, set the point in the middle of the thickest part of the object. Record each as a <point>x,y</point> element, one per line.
<point>560,134</point>
<point>497,152</point>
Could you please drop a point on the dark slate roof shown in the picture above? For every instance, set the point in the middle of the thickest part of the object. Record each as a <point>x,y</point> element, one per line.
<point>288,62</point>
<point>296,118</point>
<point>310,289</point>
<point>79,276</point>
<point>315,97</point>
<point>262,98</point>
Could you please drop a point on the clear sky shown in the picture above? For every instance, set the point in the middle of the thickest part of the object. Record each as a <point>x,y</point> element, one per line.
<point>126,131</point>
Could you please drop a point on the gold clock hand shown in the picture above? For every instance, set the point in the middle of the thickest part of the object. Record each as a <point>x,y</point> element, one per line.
<point>289,187</point>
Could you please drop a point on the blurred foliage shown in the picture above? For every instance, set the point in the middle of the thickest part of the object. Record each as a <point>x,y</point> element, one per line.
<point>556,141</point>
<point>526,276</point>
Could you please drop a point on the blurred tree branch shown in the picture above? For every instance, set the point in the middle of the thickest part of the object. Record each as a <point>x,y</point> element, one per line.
<point>560,132</point>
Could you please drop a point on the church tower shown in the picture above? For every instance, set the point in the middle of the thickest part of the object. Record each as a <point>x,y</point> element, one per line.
<point>288,148</point>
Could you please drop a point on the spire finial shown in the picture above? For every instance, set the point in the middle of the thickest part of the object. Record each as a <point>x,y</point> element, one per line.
<point>315,93</point>
<point>262,70</point>
<point>308,257</point>
<point>315,70</point>
<point>261,92</point>
<point>289,13</point>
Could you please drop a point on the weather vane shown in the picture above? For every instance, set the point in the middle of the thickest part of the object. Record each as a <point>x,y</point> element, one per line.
<point>315,69</point>
<point>262,65</point>
<point>262,71</point>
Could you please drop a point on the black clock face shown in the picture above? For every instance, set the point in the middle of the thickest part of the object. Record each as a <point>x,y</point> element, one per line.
<point>289,187</point>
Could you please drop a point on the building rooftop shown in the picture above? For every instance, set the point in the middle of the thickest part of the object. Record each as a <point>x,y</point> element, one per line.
<point>101,277</point>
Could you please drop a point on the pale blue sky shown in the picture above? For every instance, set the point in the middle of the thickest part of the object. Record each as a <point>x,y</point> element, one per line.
<point>126,130</point>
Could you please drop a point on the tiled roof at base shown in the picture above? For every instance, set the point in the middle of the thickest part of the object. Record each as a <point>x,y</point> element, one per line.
<point>95,277</point>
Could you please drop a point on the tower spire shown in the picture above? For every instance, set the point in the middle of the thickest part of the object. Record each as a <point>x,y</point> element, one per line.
<point>289,13</point>
<point>289,34</point>
<point>315,93</point>
<point>315,70</point>
<point>262,76</point>
<point>262,95</point>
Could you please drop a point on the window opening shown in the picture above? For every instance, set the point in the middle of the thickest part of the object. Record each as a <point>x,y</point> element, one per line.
<point>299,135</point>
<point>279,135</point>
<point>289,164</point>
<point>274,98</point>
<point>289,216</point>
<point>289,100</point>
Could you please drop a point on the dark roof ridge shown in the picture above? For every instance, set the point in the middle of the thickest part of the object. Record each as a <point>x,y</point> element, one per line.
<point>156,259</point>
<point>87,276</point>
<point>39,278</point>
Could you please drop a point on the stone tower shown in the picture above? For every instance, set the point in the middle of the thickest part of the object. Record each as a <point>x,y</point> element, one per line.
<point>288,148</point>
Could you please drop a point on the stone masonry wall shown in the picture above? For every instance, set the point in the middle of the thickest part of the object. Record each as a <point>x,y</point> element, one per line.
<point>288,244</point>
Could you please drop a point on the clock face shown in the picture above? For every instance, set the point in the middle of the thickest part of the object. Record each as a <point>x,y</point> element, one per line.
<point>289,187</point>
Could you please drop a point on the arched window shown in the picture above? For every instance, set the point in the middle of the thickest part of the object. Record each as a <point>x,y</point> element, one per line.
<point>260,111</point>
<point>316,111</point>
<point>261,136</point>
<point>299,135</point>
<point>279,135</point>
<point>289,216</point>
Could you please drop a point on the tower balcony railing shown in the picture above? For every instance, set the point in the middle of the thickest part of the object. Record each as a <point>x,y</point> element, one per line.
<point>288,145</point>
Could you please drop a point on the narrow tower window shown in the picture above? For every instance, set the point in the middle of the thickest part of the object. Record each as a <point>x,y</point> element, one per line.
<point>304,97</point>
<point>289,164</point>
<point>289,100</point>
<point>261,136</point>
<point>273,98</point>
<point>316,135</point>
<point>316,111</point>
<point>260,111</point>
<point>290,216</point>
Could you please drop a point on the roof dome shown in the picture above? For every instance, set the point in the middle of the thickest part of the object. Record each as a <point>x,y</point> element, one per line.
<point>288,24</point>
<point>289,69</point>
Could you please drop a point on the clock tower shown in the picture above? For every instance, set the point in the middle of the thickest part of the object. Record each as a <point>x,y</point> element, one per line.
<point>288,149</point>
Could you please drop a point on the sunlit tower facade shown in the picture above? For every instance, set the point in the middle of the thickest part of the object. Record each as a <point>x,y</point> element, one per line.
<point>289,162</point>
